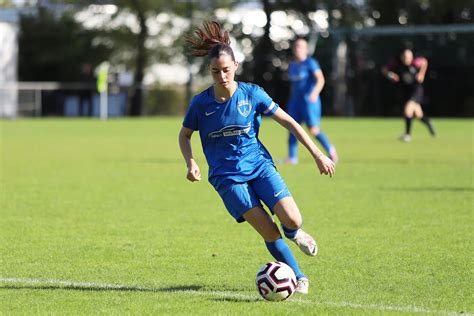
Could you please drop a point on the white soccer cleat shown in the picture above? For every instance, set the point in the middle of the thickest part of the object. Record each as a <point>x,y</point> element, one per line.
<point>306,243</point>
<point>288,161</point>
<point>302,285</point>
<point>405,138</point>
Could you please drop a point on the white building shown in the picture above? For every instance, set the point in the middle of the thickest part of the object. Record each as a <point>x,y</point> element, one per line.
<point>8,62</point>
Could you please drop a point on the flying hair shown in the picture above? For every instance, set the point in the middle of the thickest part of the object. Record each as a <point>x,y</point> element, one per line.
<point>210,40</point>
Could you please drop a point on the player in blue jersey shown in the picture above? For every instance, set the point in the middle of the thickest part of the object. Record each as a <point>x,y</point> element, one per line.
<point>228,116</point>
<point>304,105</point>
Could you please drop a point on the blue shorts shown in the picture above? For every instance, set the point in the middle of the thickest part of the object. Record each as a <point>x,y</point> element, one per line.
<point>302,110</point>
<point>239,197</point>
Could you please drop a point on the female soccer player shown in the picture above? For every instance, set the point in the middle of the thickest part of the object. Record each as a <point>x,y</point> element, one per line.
<point>304,105</point>
<point>410,73</point>
<point>227,116</point>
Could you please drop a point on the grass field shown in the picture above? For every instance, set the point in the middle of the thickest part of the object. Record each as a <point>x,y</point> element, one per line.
<point>97,218</point>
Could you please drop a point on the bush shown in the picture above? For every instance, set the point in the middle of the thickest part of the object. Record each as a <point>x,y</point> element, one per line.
<point>170,100</point>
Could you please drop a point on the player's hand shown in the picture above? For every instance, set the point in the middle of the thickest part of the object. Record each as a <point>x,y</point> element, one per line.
<point>326,166</point>
<point>313,97</point>
<point>194,174</point>
<point>420,77</point>
<point>393,76</point>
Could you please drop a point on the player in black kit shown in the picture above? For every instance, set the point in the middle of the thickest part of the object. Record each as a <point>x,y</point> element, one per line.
<point>410,73</point>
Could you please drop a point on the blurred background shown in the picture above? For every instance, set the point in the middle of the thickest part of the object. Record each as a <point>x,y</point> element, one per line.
<point>57,58</point>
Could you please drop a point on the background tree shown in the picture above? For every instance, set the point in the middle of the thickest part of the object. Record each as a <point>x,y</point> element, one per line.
<point>53,49</point>
<point>156,35</point>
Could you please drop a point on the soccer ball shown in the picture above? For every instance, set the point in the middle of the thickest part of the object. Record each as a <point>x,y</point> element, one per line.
<point>276,281</point>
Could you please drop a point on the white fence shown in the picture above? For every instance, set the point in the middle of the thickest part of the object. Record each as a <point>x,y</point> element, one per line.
<point>19,99</point>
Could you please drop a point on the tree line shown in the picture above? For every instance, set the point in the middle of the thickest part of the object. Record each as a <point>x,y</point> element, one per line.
<point>53,47</point>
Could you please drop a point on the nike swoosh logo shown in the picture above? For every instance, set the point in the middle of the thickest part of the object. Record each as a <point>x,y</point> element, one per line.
<point>209,113</point>
<point>278,193</point>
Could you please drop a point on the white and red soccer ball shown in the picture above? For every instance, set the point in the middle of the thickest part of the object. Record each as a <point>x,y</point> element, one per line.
<point>276,281</point>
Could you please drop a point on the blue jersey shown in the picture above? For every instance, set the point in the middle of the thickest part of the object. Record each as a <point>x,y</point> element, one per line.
<point>301,75</point>
<point>229,132</point>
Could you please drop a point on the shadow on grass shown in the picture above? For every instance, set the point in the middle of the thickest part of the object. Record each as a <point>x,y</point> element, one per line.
<point>98,288</point>
<point>237,299</point>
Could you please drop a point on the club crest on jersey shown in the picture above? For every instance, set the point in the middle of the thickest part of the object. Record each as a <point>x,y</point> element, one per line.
<point>244,107</point>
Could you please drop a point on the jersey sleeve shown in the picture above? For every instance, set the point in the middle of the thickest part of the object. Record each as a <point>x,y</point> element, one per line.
<point>418,62</point>
<point>191,118</point>
<point>264,103</point>
<point>314,65</point>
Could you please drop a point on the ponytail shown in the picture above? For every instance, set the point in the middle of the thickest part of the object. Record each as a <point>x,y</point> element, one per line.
<point>210,40</point>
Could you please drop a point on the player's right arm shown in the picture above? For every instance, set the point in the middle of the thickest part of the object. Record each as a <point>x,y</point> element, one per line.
<point>193,174</point>
<point>387,72</point>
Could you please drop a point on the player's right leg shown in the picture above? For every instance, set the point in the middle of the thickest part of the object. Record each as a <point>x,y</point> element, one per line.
<point>262,222</point>
<point>244,205</point>
<point>408,112</point>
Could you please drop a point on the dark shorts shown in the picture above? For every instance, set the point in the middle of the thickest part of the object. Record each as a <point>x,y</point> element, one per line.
<point>415,94</point>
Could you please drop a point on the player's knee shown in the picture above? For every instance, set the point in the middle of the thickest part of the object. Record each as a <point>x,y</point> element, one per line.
<point>293,222</point>
<point>314,131</point>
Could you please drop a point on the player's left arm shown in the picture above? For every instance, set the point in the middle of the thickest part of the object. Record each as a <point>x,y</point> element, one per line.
<point>422,63</point>
<point>325,165</point>
<point>320,81</point>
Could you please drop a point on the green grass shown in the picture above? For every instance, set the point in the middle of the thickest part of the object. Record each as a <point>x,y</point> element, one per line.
<point>107,202</point>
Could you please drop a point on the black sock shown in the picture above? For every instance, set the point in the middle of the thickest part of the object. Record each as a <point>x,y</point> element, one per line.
<point>427,122</point>
<point>408,125</point>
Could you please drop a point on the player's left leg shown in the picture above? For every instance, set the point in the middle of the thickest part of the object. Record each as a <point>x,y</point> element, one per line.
<point>291,221</point>
<point>418,111</point>
<point>272,190</point>
<point>295,113</point>
<point>292,150</point>
<point>313,120</point>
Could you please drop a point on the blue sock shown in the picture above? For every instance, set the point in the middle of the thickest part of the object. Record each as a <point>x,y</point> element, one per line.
<point>321,137</point>
<point>289,233</point>
<point>293,147</point>
<point>281,252</point>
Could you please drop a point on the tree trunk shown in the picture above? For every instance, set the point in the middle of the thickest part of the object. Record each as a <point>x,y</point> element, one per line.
<point>262,58</point>
<point>140,62</point>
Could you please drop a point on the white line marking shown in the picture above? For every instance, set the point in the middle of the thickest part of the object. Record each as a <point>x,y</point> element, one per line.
<point>105,286</point>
